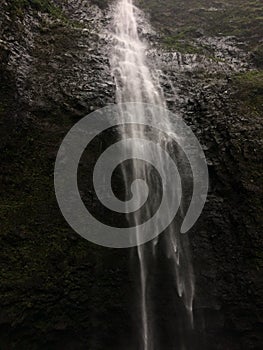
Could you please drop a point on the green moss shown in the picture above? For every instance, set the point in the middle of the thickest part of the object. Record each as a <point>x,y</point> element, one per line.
<point>18,7</point>
<point>171,42</point>
<point>181,42</point>
<point>257,56</point>
<point>227,17</point>
<point>253,78</point>
<point>250,88</point>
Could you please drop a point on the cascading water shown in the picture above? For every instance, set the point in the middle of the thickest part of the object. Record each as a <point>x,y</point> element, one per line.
<point>136,83</point>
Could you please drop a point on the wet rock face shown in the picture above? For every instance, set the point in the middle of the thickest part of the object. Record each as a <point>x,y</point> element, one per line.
<point>60,59</point>
<point>59,291</point>
<point>225,240</point>
<point>226,236</point>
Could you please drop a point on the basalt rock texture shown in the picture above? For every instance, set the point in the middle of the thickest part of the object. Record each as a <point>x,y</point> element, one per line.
<point>59,291</point>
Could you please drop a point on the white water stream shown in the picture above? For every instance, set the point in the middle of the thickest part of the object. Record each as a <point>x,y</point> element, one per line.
<point>135,82</point>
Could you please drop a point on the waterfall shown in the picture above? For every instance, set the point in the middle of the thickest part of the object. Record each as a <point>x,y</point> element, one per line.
<point>136,82</point>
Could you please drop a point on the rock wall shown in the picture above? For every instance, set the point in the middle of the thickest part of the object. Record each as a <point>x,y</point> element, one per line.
<point>59,291</point>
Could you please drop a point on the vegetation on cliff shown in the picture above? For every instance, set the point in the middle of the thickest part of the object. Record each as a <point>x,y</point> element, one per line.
<point>60,291</point>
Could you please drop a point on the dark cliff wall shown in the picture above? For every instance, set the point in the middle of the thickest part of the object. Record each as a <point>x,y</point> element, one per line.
<point>59,291</point>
